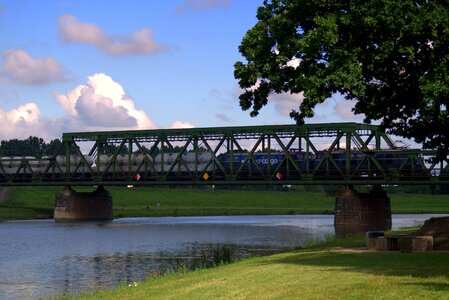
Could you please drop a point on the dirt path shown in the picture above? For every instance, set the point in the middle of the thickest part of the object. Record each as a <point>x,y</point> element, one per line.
<point>3,194</point>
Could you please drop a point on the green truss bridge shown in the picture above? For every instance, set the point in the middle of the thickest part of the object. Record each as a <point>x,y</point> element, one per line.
<point>337,153</point>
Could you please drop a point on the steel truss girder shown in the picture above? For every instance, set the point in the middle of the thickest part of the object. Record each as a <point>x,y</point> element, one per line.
<point>165,157</point>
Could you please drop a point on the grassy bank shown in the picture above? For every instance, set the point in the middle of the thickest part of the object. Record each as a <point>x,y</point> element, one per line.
<point>28,203</point>
<point>37,202</point>
<point>313,273</point>
<point>177,202</point>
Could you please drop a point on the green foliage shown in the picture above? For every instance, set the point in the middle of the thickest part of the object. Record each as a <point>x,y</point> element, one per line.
<point>389,56</point>
<point>315,242</point>
<point>211,257</point>
<point>32,146</point>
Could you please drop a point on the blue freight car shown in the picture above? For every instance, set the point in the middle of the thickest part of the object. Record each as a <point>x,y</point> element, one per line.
<point>258,160</point>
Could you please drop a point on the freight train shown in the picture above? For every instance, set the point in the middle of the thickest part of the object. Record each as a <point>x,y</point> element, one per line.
<point>293,165</point>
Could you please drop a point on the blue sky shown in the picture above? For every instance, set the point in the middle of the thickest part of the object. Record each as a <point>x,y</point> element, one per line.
<point>103,65</point>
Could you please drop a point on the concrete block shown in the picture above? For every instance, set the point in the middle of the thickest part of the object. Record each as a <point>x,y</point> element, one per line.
<point>422,243</point>
<point>405,243</point>
<point>74,206</point>
<point>358,212</point>
<point>381,244</point>
<point>371,239</point>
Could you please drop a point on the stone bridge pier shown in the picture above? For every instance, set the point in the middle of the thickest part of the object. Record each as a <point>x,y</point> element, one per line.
<point>360,212</point>
<point>82,206</point>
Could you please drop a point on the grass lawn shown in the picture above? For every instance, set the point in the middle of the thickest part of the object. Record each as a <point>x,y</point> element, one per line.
<point>419,203</point>
<point>28,203</point>
<point>188,202</point>
<point>312,273</point>
<point>37,202</point>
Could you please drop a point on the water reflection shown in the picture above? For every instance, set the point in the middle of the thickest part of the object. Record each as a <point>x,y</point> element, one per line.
<point>108,270</point>
<point>44,258</point>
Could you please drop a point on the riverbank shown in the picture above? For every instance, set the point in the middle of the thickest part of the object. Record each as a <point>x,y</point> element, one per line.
<point>37,202</point>
<point>317,272</point>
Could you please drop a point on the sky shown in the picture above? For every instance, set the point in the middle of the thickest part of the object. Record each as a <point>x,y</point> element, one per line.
<point>71,66</point>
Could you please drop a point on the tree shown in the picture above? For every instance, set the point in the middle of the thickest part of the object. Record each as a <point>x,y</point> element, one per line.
<point>390,56</point>
<point>32,146</point>
<point>52,147</point>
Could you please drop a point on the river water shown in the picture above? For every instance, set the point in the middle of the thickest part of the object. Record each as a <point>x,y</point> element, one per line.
<point>46,258</point>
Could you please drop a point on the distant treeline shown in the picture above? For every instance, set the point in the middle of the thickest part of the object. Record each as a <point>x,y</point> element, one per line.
<point>32,146</point>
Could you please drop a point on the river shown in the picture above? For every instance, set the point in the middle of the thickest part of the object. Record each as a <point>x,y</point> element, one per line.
<point>44,258</point>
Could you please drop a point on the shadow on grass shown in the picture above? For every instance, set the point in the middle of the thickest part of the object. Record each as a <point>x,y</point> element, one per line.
<point>8,212</point>
<point>430,285</point>
<point>415,265</point>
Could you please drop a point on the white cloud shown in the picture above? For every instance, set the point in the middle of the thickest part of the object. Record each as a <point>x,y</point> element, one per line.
<point>20,67</point>
<point>139,42</point>
<point>102,104</point>
<point>198,5</point>
<point>180,124</point>
<point>286,102</point>
<point>343,109</point>
<point>68,101</point>
<point>20,122</point>
<point>294,62</point>
<point>283,103</point>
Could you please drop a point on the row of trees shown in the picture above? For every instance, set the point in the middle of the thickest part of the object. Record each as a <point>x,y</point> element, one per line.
<point>32,146</point>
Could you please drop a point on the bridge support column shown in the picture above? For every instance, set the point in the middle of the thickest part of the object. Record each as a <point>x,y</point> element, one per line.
<point>81,206</point>
<point>360,212</point>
